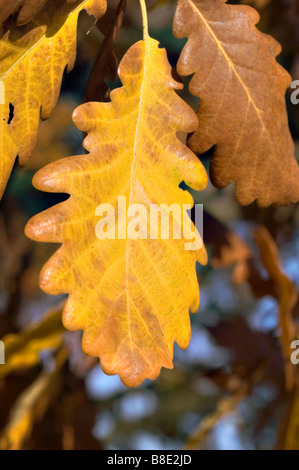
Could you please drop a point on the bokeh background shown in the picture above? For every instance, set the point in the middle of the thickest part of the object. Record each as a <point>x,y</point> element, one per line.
<point>234,387</point>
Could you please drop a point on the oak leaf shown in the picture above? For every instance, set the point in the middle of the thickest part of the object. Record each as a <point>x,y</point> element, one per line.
<point>131,297</point>
<point>242,100</point>
<point>32,61</point>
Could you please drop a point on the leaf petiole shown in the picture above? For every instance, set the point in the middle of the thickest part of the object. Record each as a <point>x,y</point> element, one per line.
<point>144,19</point>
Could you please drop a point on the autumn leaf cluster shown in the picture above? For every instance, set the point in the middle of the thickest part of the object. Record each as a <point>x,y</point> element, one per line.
<point>132,298</point>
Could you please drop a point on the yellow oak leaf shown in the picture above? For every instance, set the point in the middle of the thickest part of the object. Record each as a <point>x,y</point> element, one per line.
<point>33,58</point>
<point>130,296</point>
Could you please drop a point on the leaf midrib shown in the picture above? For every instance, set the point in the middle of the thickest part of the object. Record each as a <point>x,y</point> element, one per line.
<point>131,184</point>
<point>227,58</point>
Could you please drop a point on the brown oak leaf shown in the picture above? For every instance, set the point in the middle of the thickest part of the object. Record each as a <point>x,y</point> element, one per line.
<point>242,100</point>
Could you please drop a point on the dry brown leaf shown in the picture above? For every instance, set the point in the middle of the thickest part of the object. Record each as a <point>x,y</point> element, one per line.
<point>242,100</point>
